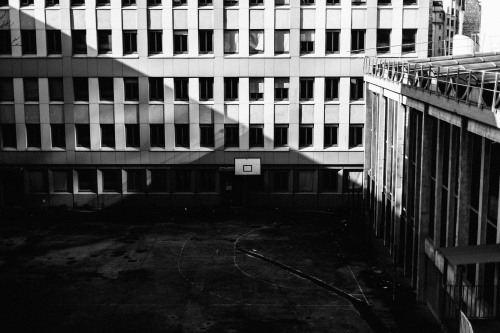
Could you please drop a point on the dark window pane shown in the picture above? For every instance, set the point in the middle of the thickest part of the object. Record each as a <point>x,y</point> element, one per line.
<point>33,136</point>
<point>58,135</point>
<point>157,135</point>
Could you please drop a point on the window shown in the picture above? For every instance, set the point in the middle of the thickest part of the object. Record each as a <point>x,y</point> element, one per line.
<point>75,3</point>
<point>409,2</point>
<point>37,181</point>
<point>81,89</point>
<point>281,136</point>
<point>306,89</point>
<point>180,41</point>
<point>58,135</point>
<point>256,2</point>
<point>86,180</point>
<point>9,135</point>
<point>256,41</point>
<point>230,3</point>
<point>231,88</point>
<point>358,2</point>
<point>135,180</point>
<point>104,41</point>
<point>257,89</point>
<point>305,135</point>
<point>306,41</point>
<point>108,135</point>
<point>207,180</point>
<point>79,41</point>
<point>25,3</point>
<point>306,2</point>
<point>132,136</point>
<point>280,181</point>
<point>155,44</point>
<point>282,2</point>
<point>6,90</point>
<point>152,3</point>
<point>357,88</point>
<point>256,135</point>
<point>33,136</point>
<point>204,2</point>
<point>179,3</point>
<point>156,89</point>
<point>206,39</point>
<point>182,135</point>
<point>331,135</point>
<point>181,87</point>
<point>5,42</point>
<point>207,135</point>
<point>129,42</point>
<point>31,89</point>
<point>62,181</point>
<point>206,88</point>
<point>131,85</point>
<point>182,181</point>
<point>56,90</point>
<point>383,40</point>
<point>28,41</point>
<point>231,136</point>
<point>111,180</point>
<point>409,38</point>
<point>281,86</point>
<point>333,2</point>
<point>82,135</point>
<point>305,180</point>
<point>51,3</point>
<point>159,180</point>
<point>331,88</point>
<point>106,89</point>
<point>357,41</point>
<point>126,3</point>
<point>103,3</point>
<point>355,136</point>
<point>329,180</point>
<point>231,39</point>
<point>332,41</point>
<point>54,42</point>
<point>282,41</point>
<point>157,135</point>
<point>384,2</point>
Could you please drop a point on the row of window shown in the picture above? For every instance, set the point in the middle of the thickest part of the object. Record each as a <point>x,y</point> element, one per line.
<point>182,137</point>
<point>205,41</point>
<point>181,89</point>
<point>186,180</point>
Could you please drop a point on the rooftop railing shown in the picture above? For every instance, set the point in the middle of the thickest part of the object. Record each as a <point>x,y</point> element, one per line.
<point>473,87</point>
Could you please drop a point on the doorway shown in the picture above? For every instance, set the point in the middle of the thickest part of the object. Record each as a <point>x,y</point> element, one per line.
<point>231,189</point>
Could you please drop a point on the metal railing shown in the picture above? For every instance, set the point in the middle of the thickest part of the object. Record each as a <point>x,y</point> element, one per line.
<point>473,301</point>
<point>480,87</point>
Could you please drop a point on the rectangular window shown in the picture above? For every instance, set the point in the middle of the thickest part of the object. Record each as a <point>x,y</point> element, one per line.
<point>180,41</point>
<point>355,136</point>
<point>281,86</point>
<point>409,2</point>
<point>182,181</point>
<point>51,3</point>
<point>333,2</point>
<point>231,39</point>
<point>207,136</point>
<point>332,41</point>
<point>329,180</point>
<point>126,3</point>
<point>132,136</point>
<point>331,135</point>
<point>206,40</point>
<point>37,181</point>
<point>31,89</point>
<point>6,90</point>
<point>156,89</point>
<point>82,132</point>
<point>5,42</point>
<point>280,135</point>
<point>206,88</point>
<point>100,3</point>
<point>155,42</point>
<point>54,42</point>
<point>106,92</point>
<point>9,136</point>
<point>111,180</point>
<point>228,3</point>
<point>256,89</point>
<point>306,41</point>
<point>231,85</point>
<point>280,181</point>
<point>282,2</point>
<point>135,180</point>
<point>28,41</point>
<point>58,135</point>
<point>409,39</point>
<point>79,41</point>
<point>129,41</point>
<point>383,40</point>
<point>256,135</point>
<point>306,89</point>
<point>384,2</point>
<point>62,180</point>
<point>207,180</point>
<point>104,41</point>
<point>131,85</point>
<point>75,3</point>
<point>358,41</point>
<point>305,180</point>
<point>159,180</point>
<point>56,90</point>
<point>108,135</point>
<point>256,41</point>
<point>357,88</point>
<point>306,135</point>
<point>358,2</point>
<point>281,41</point>
<point>86,180</point>
<point>25,3</point>
<point>182,135</point>
<point>204,3</point>
<point>81,89</point>
<point>332,88</point>
<point>306,2</point>
<point>256,2</point>
<point>176,3</point>
<point>231,136</point>
<point>181,89</point>
<point>33,136</point>
<point>157,135</point>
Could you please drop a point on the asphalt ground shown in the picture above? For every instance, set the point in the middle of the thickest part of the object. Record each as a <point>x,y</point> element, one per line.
<point>183,271</point>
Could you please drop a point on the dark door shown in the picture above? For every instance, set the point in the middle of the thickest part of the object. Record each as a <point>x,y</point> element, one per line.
<point>231,189</point>
<point>11,188</point>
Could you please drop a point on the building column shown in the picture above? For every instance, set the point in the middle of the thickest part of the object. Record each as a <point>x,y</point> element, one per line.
<point>462,237</point>
<point>380,122</point>
<point>399,174</point>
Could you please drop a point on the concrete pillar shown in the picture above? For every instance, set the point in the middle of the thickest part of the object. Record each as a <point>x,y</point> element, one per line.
<point>439,184</point>
<point>380,165</point>
<point>462,237</point>
<point>452,204</point>
<point>399,172</point>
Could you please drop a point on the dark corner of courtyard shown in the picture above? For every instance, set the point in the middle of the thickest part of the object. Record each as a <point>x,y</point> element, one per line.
<point>193,270</point>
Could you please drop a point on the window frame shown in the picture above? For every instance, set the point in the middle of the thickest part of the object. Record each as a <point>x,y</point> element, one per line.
<point>129,42</point>
<point>283,128</point>
<point>306,135</point>
<point>231,139</point>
